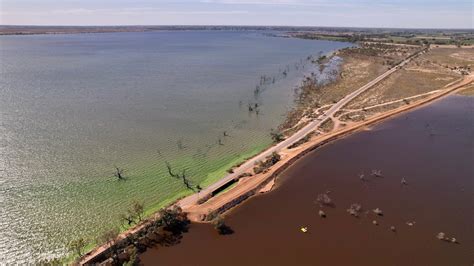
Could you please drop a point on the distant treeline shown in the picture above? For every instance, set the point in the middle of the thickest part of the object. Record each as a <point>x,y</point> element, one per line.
<point>19,29</point>
<point>413,37</point>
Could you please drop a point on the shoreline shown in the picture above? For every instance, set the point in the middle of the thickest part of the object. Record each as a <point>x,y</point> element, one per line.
<point>161,122</point>
<point>199,211</point>
<point>249,189</point>
<point>267,184</point>
<point>249,186</point>
<point>396,148</point>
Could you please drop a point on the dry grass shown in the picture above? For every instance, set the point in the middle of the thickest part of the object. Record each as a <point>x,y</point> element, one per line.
<point>327,125</point>
<point>452,56</point>
<point>360,65</point>
<point>358,116</point>
<point>295,128</point>
<point>428,72</point>
<point>468,91</point>
<point>356,71</point>
<point>431,71</point>
<point>400,85</point>
<point>292,118</point>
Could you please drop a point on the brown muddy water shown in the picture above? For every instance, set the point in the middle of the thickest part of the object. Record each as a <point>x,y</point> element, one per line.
<point>432,148</point>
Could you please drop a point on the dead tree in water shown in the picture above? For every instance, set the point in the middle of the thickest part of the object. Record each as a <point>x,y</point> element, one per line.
<point>180,144</point>
<point>170,170</point>
<point>355,209</point>
<point>119,173</point>
<point>377,173</point>
<point>257,91</point>
<point>186,181</point>
<point>183,177</point>
<point>221,227</point>
<point>250,107</point>
<point>378,212</point>
<point>323,199</point>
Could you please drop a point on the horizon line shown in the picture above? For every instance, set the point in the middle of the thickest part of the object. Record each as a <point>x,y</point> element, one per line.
<point>227,25</point>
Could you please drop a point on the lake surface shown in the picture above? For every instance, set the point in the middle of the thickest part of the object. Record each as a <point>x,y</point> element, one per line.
<point>72,107</point>
<point>432,148</point>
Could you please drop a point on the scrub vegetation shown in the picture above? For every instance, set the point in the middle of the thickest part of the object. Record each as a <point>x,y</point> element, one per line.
<point>402,36</point>
<point>165,230</point>
<point>263,166</point>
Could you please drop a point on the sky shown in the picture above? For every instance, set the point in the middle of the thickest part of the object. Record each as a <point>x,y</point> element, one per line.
<point>338,13</point>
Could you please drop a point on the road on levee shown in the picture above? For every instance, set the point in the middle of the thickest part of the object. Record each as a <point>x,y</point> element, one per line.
<point>250,163</point>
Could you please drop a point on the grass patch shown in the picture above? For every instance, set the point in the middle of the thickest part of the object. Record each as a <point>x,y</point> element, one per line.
<point>225,188</point>
<point>168,189</point>
<point>236,160</point>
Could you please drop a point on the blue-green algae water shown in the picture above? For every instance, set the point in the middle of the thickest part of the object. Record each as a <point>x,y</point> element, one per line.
<point>72,107</point>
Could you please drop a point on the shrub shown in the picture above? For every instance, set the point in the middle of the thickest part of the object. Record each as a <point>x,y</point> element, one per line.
<point>270,161</point>
<point>277,136</point>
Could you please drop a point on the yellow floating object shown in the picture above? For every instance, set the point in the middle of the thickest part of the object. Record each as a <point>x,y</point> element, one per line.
<point>304,229</point>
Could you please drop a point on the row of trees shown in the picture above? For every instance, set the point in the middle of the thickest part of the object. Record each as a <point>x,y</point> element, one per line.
<point>166,230</point>
<point>134,215</point>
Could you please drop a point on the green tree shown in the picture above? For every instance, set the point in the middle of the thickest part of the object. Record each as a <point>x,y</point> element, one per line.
<point>134,214</point>
<point>274,158</point>
<point>138,209</point>
<point>277,136</point>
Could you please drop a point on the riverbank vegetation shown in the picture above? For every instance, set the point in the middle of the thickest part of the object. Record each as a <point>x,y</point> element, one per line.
<point>164,230</point>
<point>263,166</point>
<point>327,125</point>
<point>406,36</point>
